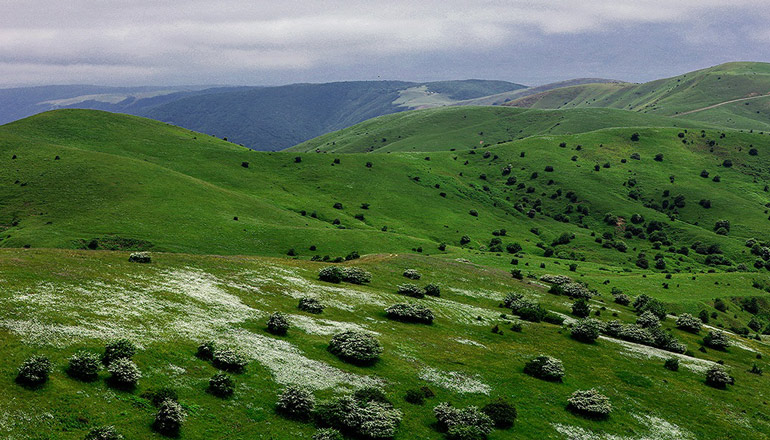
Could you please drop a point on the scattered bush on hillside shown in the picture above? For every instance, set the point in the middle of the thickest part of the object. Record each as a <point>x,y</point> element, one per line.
<point>140,257</point>
<point>689,323</point>
<point>458,422</point>
<point>355,347</point>
<point>327,434</point>
<point>513,248</point>
<point>405,312</point>
<point>412,290</point>
<point>296,403</point>
<point>636,334</point>
<point>432,289</point>
<point>34,371</point>
<point>527,310</point>
<point>157,396</point>
<point>365,419</point>
<point>580,308</point>
<point>356,275</point>
<point>717,339</point>
<point>84,366</point>
<point>622,299</point>
<point>103,433</point>
<point>278,324</point>
<point>206,350</point>
<point>502,413</point>
<point>124,373</point>
<point>310,305</point>
<point>644,303</point>
<point>464,240</point>
<point>586,330</point>
<point>221,385</point>
<point>635,137</point>
<point>575,290</point>
<point>473,212</point>
<point>545,367</point>
<point>412,274</point>
<point>648,320</point>
<point>331,274</point>
<point>555,279</point>
<point>229,360</point>
<point>169,419</point>
<point>718,377</point>
<point>118,349</point>
<point>589,403</point>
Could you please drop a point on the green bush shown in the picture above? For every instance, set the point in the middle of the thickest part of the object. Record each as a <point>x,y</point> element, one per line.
<point>356,275</point>
<point>355,347</point>
<point>502,413</point>
<point>103,433</point>
<point>221,385</point>
<point>34,371</point>
<point>513,248</point>
<point>364,419</point>
<point>327,434</point>
<point>580,308</point>
<point>310,305</point>
<point>229,360</point>
<point>412,274</point>
<point>405,312</point>
<point>689,323</point>
<point>717,339</point>
<point>206,350</point>
<point>672,364</point>
<point>169,419</point>
<point>412,290</point>
<point>622,299</point>
<point>331,274</point>
<point>648,320</point>
<point>124,373</point>
<point>451,419</point>
<point>589,403</point>
<point>295,402</point>
<point>545,367</point>
<point>84,365</point>
<point>586,330</point>
<point>718,377</point>
<point>278,324</point>
<point>119,349</point>
<point>432,290</point>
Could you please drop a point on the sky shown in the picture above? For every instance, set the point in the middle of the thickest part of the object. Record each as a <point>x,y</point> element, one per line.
<point>256,42</point>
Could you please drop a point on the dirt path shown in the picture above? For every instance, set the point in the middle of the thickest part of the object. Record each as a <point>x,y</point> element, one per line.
<point>721,104</point>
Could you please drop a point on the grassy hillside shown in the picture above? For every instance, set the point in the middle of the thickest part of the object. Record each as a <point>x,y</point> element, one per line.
<point>677,95</point>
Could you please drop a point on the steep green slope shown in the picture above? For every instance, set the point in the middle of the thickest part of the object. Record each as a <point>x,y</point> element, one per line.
<point>673,96</point>
<point>447,128</point>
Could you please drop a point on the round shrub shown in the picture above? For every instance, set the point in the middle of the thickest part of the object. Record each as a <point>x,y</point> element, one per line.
<point>221,385</point>
<point>671,364</point>
<point>327,434</point>
<point>580,308</point>
<point>502,413</point>
<point>622,299</point>
<point>278,324</point>
<point>169,418</point>
<point>589,403</point>
<point>575,290</point>
<point>119,349</point>
<point>310,305</point>
<point>124,373</point>
<point>140,257</point>
<point>689,323</point>
<point>331,274</point>
<point>229,360</point>
<point>369,420</point>
<point>433,290</point>
<point>648,320</point>
<point>634,333</point>
<point>717,339</point>
<point>555,279</point>
<point>412,274</point>
<point>355,347</point>
<point>412,290</point>
<point>545,367</point>
<point>410,313</point>
<point>717,377</point>
<point>296,403</point>
<point>613,328</point>
<point>34,371</point>
<point>586,330</point>
<point>206,350</point>
<point>84,365</point>
<point>451,418</point>
<point>103,433</point>
<point>356,275</point>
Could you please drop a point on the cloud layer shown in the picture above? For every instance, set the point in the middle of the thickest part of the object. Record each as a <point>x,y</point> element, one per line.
<point>229,41</point>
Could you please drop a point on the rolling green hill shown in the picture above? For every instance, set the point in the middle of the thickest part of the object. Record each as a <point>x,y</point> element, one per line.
<point>688,96</point>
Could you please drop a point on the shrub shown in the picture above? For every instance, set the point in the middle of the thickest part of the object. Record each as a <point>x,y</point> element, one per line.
<point>586,330</point>
<point>622,299</point>
<point>206,350</point>
<point>367,419</point>
<point>410,313</point>
<point>356,275</point>
<point>590,403</point>
<point>331,274</point>
<point>689,323</point>
<point>648,320</point>
<point>371,394</point>
<point>119,349</point>
<point>513,248</point>
<point>717,377</point>
<point>433,290</point>
<point>580,308</point>
<point>34,371</point>
<point>295,402</point>
<point>355,347</point>
<point>412,274</point>
<point>278,324</point>
<point>124,373</point>
<point>666,341</point>
<point>84,365</point>
<point>451,418</point>
<point>415,396</point>
<point>552,318</point>
<point>327,434</point>
<point>229,360</point>
<point>169,418</point>
<point>464,240</point>
<point>545,367</point>
<point>310,305</point>
<point>502,413</point>
<point>717,339</point>
<point>140,257</point>
<point>221,385</point>
<point>575,290</point>
<point>672,364</point>
<point>412,290</point>
<point>634,333</point>
<point>659,157</point>
<point>103,433</point>
<point>158,396</point>
<point>473,212</point>
<point>613,328</point>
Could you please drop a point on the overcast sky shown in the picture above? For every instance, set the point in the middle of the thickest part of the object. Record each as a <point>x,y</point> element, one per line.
<point>255,42</point>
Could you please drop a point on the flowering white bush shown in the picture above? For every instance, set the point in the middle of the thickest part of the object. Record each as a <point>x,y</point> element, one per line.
<point>451,419</point>
<point>410,313</point>
<point>34,370</point>
<point>140,257</point>
<point>124,372</point>
<point>432,290</point>
<point>634,333</point>
<point>229,360</point>
<point>412,274</point>
<point>648,320</point>
<point>221,385</point>
<point>356,275</point>
<point>586,330</point>
<point>84,365</point>
<point>412,290</point>
<point>555,279</point>
<point>590,403</point>
<point>368,419</point>
<point>545,367</point>
<point>331,274</point>
<point>310,305</point>
<point>278,324</point>
<point>717,339</point>
<point>689,323</point>
<point>327,434</point>
<point>622,299</point>
<point>718,377</point>
<point>576,290</point>
<point>613,328</point>
<point>170,417</point>
<point>296,402</point>
<point>355,347</point>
